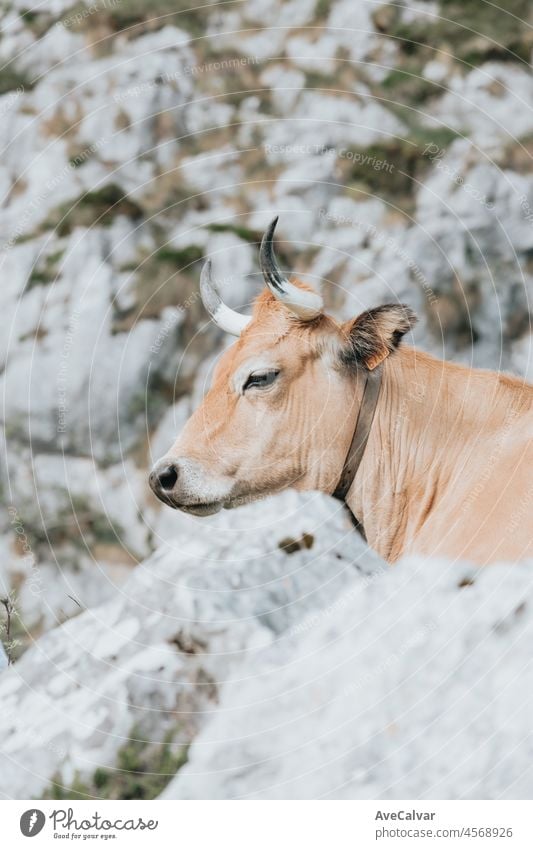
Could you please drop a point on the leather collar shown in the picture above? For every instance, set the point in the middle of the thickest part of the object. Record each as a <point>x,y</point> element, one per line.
<point>361,433</point>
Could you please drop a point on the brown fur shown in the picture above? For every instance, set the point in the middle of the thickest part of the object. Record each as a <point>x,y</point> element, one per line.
<point>447,468</point>
<point>375,334</point>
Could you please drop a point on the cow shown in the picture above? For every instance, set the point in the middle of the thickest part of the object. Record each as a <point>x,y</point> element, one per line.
<point>432,458</point>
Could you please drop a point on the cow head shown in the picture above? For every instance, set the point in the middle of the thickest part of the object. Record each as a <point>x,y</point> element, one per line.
<point>284,399</point>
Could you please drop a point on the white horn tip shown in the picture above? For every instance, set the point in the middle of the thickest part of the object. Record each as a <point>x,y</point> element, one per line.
<point>226,318</point>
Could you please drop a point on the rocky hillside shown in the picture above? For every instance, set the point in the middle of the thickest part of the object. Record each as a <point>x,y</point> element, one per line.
<point>395,142</point>
<point>295,662</point>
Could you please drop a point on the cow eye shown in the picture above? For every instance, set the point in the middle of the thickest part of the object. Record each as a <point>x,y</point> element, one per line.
<point>261,379</point>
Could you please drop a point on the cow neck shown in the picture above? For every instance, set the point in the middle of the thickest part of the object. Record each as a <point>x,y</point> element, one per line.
<point>361,433</point>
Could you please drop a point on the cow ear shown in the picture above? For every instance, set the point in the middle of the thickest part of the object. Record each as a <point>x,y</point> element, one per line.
<point>374,334</point>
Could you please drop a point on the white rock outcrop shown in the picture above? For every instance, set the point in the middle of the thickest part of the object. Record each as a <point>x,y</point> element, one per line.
<point>152,659</point>
<point>413,684</point>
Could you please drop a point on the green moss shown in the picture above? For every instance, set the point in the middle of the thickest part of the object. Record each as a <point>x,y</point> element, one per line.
<point>106,197</point>
<point>78,523</point>
<point>180,258</point>
<point>98,207</point>
<point>166,278</point>
<point>39,277</point>
<point>103,530</point>
<point>82,517</point>
<point>46,272</point>
<point>76,160</point>
<point>121,14</point>
<point>323,8</point>
<point>242,232</point>
<point>472,30</point>
<point>77,791</point>
<point>137,405</point>
<point>38,21</point>
<point>13,80</point>
<point>320,80</point>
<point>503,22</point>
<point>390,169</point>
<point>409,85</point>
<point>143,770</point>
<point>28,16</point>
<point>52,260</point>
<point>386,169</point>
<point>441,136</point>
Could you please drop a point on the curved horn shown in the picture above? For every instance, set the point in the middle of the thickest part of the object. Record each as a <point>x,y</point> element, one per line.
<point>304,304</point>
<point>226,318</point>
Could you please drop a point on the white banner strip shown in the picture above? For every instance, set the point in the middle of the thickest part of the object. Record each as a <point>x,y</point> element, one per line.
<point>269,825</point>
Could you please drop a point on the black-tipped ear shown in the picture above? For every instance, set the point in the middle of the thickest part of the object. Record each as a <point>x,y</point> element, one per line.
<point>374,334</point>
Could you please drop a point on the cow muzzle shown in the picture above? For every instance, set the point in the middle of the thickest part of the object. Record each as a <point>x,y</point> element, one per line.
<point>183,484</point>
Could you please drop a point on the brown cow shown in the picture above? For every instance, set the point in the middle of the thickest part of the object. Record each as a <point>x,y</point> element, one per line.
<point>447,465</point>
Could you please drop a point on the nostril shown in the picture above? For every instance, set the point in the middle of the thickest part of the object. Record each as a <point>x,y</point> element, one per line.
<point>168,477</point>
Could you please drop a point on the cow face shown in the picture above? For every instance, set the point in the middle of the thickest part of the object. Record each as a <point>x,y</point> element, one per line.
<point>284,398</point>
